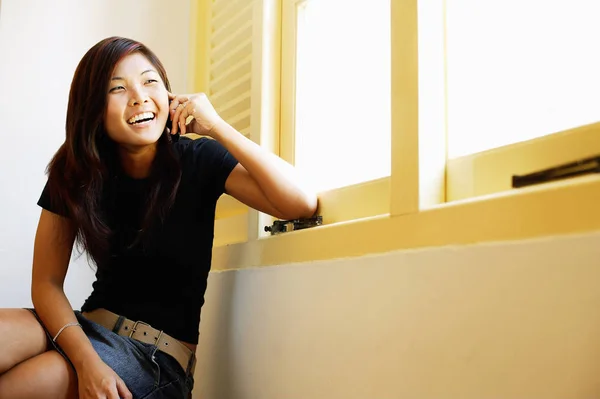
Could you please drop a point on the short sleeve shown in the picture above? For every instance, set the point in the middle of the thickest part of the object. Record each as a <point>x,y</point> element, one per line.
<point>213,163</point>
<point>48,203</point>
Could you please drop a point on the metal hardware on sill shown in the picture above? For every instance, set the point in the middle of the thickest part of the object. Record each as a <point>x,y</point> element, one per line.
<point>284,226</point>
<point>581,167</point>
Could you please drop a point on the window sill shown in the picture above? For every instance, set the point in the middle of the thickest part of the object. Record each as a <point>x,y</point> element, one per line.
<point>562,207</point>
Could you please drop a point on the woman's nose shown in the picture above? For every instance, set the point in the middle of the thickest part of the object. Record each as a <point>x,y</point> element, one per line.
<point>138,96</point>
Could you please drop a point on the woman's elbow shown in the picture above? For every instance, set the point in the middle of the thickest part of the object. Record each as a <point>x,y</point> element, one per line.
<point>304,207</point>
<point>311,205</point>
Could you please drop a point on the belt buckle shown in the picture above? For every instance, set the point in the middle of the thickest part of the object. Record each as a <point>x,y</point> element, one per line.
<point>134,327</point>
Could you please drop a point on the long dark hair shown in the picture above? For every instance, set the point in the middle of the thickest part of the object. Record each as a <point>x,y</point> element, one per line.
<point>85,165</point>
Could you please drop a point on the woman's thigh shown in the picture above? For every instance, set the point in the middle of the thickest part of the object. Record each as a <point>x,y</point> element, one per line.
<point>22,337</point>
<point>48,375</point>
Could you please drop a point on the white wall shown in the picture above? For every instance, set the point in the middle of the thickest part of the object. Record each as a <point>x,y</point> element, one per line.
<point>502,320</point>
<point>41,43</point>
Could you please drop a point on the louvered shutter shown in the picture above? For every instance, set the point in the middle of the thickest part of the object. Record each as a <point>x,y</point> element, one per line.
<point>231,42</point>
<point>231,45</point>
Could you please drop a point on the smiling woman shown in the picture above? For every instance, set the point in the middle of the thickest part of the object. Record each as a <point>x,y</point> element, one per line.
<point>127,193</point>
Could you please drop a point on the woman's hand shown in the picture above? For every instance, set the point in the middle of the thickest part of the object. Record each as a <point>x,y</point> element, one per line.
<point>198,106</point>
<point>98,381</point>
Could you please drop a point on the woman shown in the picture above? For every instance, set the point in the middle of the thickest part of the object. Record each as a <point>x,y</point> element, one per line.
<point>140,201</point>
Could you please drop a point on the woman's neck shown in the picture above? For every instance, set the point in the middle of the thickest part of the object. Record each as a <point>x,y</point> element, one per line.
<point>137,163</point>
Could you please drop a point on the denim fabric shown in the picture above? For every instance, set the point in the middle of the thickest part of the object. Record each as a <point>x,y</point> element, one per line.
<point>147,372</point>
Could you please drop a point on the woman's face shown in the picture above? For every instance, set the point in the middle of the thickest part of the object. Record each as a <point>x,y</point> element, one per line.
<point>137,103</point>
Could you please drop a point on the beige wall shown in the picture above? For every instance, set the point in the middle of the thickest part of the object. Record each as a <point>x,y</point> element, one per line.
<point>503,320</point>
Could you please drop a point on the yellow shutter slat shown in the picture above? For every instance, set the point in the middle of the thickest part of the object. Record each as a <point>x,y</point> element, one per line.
<point>232,23</point>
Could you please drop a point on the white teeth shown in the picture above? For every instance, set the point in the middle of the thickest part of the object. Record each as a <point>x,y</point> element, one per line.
<point>139,117</point>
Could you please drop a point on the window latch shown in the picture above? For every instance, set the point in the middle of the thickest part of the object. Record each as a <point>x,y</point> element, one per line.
<point>581,167</point>
<point>284,226</point>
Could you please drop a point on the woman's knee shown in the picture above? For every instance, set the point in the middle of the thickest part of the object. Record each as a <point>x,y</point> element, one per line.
<point>48,375</point>
<point>22,337</point>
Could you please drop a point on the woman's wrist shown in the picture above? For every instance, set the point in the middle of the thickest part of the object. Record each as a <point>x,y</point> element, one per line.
<point>85,358</point>
<point>219,130</point>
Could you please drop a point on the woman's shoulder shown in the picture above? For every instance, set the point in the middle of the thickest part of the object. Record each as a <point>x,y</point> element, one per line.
<point>206,158</point>
<point>193,152</point>
<point>189,143</point>
<point>194,148</point>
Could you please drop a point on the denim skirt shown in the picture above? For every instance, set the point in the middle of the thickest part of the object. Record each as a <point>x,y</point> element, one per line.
<point>147,372</point>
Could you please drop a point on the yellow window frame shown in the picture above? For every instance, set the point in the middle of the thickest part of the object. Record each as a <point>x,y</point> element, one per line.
<point>491,171</point>
<point>356,201</point>
<point>418,214</point>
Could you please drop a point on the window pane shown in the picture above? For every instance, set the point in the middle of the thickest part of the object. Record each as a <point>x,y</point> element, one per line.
<point>343,111</point>
<point>520,69</point>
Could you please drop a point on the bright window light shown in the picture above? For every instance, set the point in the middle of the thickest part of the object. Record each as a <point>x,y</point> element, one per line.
<point>343,96</point>
<point>520,69</point>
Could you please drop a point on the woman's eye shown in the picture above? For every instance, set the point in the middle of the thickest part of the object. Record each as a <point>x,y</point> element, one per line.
<point>151,81</point>
<point>116,88</point>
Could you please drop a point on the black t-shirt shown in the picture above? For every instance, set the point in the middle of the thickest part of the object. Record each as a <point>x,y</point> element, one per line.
<point>163,284</point>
